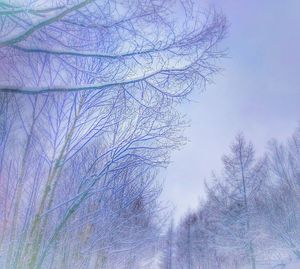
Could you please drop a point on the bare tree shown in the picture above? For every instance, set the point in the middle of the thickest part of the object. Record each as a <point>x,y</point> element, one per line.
<point>251,214</point>
<point>94,142</point>
<point>236,195</point>
<point>132,44</point>
<point>280,204</point>
<point>187,242</point>
<point>89,90</point>
<point>168,247</point>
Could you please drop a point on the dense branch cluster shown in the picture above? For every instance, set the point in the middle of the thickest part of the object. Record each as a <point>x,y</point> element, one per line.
<point>87,118</point>
<point>93,44</point>
<point>251,216</point>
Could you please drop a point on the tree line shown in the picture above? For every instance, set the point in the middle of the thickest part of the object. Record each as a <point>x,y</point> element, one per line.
<point>89,91</point>
<point>251,216</point>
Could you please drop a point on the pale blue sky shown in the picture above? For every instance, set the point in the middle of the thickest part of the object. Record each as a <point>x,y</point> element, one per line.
<point>258,93</point>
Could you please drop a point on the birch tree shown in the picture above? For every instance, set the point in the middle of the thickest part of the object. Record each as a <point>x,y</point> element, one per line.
<point>89,92</point>
<point>93,147</point>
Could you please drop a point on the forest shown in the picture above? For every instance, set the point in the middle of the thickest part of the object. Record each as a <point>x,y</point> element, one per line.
<point>251,216</point>
<point>90,97</point>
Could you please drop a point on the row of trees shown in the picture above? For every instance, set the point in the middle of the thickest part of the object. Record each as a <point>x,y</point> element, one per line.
<point>251,216</point>
<point>88,116</point>
<point>78,176</point>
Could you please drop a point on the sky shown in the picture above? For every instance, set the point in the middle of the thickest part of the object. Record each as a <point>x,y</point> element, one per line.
<point>257,93</point>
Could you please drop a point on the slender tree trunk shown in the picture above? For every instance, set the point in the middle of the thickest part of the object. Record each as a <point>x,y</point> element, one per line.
<point>250,244</point>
